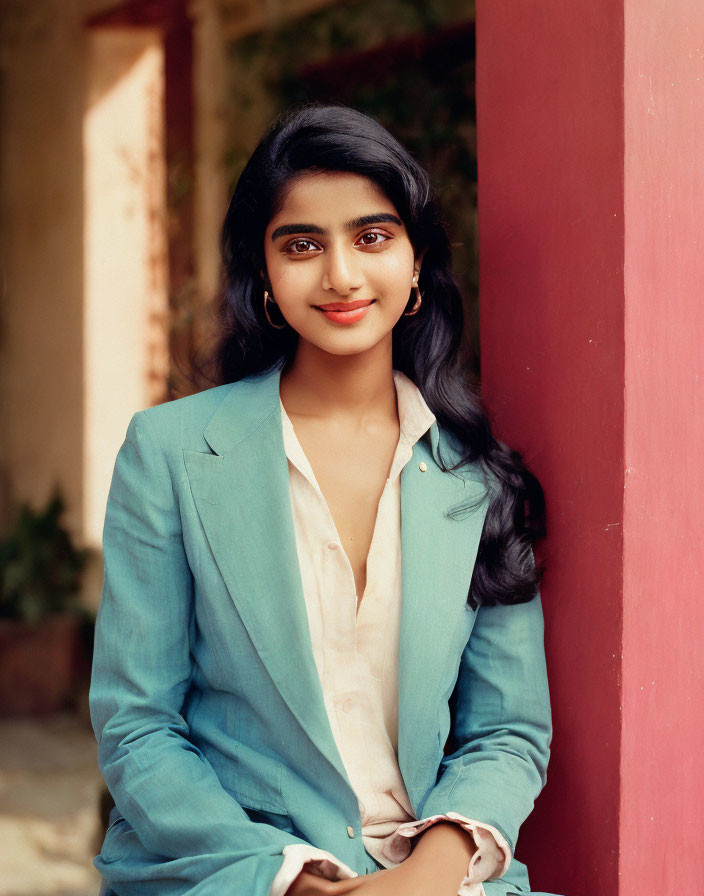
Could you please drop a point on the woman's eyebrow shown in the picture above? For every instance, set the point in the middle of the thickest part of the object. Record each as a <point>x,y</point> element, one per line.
<point>365,220</point>
<point>290,229</point>
<point>354,224</point>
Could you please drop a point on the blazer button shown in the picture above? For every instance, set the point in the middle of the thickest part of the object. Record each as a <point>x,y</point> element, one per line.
<point>422,466</point>
<point>350,832</point>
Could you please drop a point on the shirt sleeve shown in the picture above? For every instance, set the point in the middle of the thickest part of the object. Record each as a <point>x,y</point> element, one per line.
<point>316,861</point>
<point>490,861</point>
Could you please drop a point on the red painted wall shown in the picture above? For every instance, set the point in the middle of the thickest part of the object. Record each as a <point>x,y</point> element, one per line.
<point>662,782</point>
<point>550,150</point>
<point>591,214</point>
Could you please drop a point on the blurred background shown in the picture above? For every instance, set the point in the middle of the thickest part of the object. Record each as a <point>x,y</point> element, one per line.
<point>123,128</point>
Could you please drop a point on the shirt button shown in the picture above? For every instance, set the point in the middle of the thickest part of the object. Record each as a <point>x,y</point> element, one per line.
<point>422,466</point>
<point>333,545</point>
<point>350,832</point>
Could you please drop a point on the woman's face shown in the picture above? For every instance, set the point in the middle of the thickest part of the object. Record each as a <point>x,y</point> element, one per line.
<point>339,262</point>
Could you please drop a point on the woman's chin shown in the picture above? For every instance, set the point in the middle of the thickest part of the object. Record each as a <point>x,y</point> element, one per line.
<point>345,341</point>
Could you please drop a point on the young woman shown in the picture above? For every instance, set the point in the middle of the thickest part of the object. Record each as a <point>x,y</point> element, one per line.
<point>319,664</point>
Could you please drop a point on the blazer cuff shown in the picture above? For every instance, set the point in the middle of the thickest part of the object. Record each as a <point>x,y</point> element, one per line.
<point>298,856</point>
<point>490,861</point>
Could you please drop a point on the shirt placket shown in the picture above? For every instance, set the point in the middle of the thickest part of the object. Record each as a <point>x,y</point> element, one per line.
<point>356,668</point>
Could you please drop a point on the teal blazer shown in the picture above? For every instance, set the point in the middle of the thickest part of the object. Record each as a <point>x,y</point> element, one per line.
<point>213,736</point>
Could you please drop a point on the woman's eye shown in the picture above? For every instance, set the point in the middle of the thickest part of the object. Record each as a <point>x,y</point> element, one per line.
<point>300,247</point>
<point>372,238</point>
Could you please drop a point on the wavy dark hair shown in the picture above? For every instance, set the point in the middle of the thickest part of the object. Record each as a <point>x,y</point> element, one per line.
<point>426,346</point>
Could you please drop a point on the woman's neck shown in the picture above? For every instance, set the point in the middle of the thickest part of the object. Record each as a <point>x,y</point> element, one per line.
<point>322,384</point>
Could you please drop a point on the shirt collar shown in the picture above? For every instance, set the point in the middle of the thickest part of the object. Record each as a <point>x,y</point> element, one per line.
<point>415,419</point>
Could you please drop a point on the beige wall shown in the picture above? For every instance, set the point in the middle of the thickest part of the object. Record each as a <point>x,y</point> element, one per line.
<point>41,338</point>
<point>45,439</point>
<point>125,363</point>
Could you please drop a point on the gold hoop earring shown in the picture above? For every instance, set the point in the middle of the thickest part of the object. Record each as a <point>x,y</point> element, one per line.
<point>418,301</point>
<point>267,299</point>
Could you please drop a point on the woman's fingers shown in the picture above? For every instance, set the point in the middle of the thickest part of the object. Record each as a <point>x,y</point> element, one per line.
<point>362,883</point>
<point>340,887</point>
<point>307,884</point>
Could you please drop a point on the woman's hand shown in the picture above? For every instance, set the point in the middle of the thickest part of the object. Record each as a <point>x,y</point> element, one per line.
<point>436,867</point>
<point>307,884</point>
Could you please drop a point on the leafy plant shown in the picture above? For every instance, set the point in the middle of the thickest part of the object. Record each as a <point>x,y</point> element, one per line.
<point>40,566</point>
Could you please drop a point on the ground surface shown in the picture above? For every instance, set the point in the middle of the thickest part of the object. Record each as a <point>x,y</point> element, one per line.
<point>49,792</point>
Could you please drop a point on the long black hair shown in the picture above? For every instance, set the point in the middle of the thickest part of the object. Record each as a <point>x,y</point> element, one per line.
<point>426,346</point>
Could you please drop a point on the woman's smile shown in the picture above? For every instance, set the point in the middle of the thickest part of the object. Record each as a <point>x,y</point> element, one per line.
<point>346,312</point>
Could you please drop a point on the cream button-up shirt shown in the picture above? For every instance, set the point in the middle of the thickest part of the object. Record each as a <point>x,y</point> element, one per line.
<point>355,645</point>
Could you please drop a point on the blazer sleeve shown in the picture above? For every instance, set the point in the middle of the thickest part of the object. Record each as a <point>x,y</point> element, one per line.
<point>501,726</point>
<point>182,832</point>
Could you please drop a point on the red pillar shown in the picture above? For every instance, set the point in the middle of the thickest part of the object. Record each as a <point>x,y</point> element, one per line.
<point>591,205</point>
<point>663,602</point>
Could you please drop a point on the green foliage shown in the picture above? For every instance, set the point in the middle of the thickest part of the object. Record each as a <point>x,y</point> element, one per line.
<point>40,566</point>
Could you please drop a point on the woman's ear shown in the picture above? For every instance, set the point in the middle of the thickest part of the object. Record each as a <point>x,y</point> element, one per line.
<point>418,263</point>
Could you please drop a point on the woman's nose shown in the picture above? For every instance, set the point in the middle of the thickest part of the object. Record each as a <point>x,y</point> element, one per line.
<point>341,273</point>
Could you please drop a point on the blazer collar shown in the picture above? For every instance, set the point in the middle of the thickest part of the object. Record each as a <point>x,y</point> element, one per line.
<point>251,401</point>
<point>245,407</point>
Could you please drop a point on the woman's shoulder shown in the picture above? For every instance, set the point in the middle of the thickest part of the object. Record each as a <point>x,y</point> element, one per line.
<point>181,422</point>
<point>207,419</point>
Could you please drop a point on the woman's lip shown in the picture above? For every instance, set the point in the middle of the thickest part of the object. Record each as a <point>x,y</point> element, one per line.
<point>345,306</point>
<point>347,316</point>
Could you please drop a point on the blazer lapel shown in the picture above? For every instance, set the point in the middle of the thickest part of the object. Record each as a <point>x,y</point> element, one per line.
<point>242,496</point>
<point>438,555</point>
